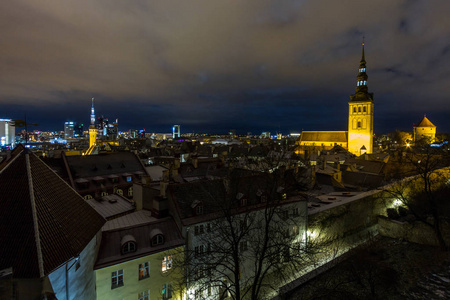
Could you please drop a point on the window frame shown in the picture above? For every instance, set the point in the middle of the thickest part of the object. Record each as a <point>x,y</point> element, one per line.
<point>166,264</point>
<point>119,276</point>
<point>145,268</point>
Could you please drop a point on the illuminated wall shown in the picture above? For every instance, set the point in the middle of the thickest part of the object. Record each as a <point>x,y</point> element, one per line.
<point>92,136</point>
<point>360,127</point>
<point>427,133</point>
<point>132,285</point>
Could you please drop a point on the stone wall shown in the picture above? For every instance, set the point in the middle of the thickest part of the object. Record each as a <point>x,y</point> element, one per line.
<point>416,232</point>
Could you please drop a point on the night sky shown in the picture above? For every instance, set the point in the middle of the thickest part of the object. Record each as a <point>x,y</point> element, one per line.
<point>211,66</point>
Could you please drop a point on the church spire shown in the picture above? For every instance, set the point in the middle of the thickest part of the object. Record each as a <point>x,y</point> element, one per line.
<point>92,113</point>
<point>362,91</point>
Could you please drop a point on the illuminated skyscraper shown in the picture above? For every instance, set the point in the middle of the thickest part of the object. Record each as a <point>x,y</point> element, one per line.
<point>68,130</point>
<point>176,131</point>
<point>7,133</point>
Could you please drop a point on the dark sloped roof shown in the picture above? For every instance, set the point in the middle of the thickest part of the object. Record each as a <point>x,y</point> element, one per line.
<point>43,221</point>
<point>110,250</point>
<point>100,165</point>
<point>324,136</point>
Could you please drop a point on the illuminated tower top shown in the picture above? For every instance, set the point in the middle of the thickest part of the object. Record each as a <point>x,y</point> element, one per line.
<point>362,91</point>
<point>92,113</point>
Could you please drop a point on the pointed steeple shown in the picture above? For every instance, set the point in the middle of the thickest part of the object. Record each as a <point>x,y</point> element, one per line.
<point>92,113</point>
<point>362,91</point>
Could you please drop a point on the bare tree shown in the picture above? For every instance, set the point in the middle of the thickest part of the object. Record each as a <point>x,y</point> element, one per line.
<point>424,194</point>
<point>254,242</point>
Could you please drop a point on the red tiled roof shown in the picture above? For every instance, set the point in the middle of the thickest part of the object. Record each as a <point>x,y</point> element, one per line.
<point>43,221</point>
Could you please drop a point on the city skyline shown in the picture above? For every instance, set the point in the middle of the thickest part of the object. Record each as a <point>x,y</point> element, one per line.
<point>257,66</point>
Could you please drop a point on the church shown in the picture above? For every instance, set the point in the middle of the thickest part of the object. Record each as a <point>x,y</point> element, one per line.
<point>359,137</point>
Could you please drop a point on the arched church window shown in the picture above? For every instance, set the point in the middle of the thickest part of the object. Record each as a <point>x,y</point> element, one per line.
<point>354,109</point>
<point>359,124</point>
<point>364,109</point>
<point>359,109</point>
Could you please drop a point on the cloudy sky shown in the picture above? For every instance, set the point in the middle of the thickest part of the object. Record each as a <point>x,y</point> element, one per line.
<point>214,65</point>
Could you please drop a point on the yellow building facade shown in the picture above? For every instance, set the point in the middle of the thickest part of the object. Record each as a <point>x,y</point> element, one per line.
<point>359,137</point>
<point>425,130</point>
<point>360,114</point>
<point>150,277</point>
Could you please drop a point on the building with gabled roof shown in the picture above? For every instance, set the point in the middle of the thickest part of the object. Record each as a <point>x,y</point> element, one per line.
<point>48,232</point>
<point>359,137</point>
<point>140,256</point>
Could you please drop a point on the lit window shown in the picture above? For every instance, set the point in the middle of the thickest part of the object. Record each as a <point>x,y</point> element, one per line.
<point>357,83</point>
<point>128,178</point>
<point>104,194</point>
<point>158,240</point>
<point>166,263</point>
<point>119,192</point>
<point>130,192</point>
<point>167,291</point>
<point>365,82</point>
<point>145,295</point>
<point>116,279</point>
<point>144,270</point>
<point>87,197</point>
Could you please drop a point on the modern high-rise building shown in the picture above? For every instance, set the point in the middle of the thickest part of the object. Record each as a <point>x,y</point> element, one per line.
<point>176,131</point>
<point>7,133</point>
<point>78,130</point>
<point>69,130</point>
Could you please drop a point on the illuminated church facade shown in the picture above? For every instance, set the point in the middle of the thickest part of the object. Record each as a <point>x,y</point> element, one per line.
<point>359,137</point>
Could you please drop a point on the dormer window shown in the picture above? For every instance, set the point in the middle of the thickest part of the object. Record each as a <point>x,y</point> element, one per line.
<point>243,201</point>
<point>199,210</point>
<point>158,240</point>
<point>156,237</point>
<point>197,205</point>
<point>128,244</point>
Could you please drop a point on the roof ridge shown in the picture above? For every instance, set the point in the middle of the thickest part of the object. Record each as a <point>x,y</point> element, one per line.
<point>35,221</point>
<point>9,162</point>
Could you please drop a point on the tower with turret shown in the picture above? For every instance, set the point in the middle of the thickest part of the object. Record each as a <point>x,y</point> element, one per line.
<point>92,129</point>
<point>360,114</point>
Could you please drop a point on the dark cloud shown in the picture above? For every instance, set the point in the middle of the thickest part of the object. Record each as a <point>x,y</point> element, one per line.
<point>252,65</point>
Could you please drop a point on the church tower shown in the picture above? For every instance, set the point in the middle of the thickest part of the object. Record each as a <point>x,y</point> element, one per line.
<point>92,129</point>
<point>360,114</point>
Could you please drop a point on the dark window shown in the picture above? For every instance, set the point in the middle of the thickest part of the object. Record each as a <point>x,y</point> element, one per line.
<point>129,247</point>
<point>116,279</point>
<point>158,240</point>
